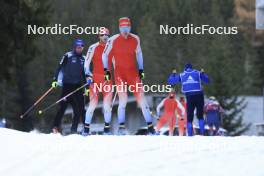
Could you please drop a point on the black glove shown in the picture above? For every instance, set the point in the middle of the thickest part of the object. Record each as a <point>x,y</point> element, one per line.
<point>107,74</point>
<point>141,74</point>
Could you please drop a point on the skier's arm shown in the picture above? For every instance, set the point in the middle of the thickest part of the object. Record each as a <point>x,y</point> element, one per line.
<point>61,64</point>
<point>88,60</point>
<point>139,56</point>
<point>174,79</point>
<point>160,106</point>
<point>180,107</point>
<point>204,77</point>
<point>105,55</point>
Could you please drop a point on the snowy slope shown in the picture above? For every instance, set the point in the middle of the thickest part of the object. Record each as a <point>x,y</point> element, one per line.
<point>42,154</point>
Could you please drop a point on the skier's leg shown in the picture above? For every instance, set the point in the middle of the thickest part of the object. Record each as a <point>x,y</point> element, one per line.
<point>190,114</point>
<point>122,97</point>
<point>63,106</point>
<point>90,110</point>
<point>144,106</point>
<point>211,130</point>
<point>210,124</point>
<point>181,126</point>
<point>76,106</point>
<point>142,102</point>
<point>81,105</point>
<point>172,120</point>
<point>81,101</point>
<point>121,112</point>
<point>180,123</point>
<point>216,124</point>
<point>107,103</point>
<point>161,122</point>
<point>199,108</point>
<point>59,115</point>
<point>92,105</point>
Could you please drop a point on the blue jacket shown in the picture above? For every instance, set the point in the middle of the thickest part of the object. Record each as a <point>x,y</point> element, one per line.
<point>71,69</point>
<point>191,81</point>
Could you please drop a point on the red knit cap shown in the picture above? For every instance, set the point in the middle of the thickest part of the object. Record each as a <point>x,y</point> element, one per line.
<point>124,22</point>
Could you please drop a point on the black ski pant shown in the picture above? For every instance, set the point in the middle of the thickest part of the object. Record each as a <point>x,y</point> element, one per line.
<point>195,101</point>
<point>76,101</point>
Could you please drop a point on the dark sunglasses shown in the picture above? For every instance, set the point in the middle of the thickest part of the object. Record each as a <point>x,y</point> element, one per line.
<point>101,35</point>
<point>79,46</point>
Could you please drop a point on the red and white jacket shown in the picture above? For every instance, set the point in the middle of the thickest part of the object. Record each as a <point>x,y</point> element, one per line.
<point>125,52</point>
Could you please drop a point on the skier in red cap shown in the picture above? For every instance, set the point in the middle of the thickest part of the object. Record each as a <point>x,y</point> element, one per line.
<point>94,56</point>
<point>128,69</point>
<point>171,106</point>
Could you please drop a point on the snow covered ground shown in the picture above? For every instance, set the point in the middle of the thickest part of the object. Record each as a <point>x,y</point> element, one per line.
<point>50,154</point>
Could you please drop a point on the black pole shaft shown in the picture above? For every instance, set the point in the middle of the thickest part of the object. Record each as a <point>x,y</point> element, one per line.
<point>62,99</point>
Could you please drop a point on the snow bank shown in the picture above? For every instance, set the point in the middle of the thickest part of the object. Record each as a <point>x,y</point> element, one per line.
<point>50,154</point>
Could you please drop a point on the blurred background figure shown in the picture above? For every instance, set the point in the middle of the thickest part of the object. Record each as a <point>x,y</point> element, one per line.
<point>191,85</point>
<point>213,112</point>
<point>171,106</point>
<point>182,121</point>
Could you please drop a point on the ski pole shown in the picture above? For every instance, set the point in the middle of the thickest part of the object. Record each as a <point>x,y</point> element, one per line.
<point>113,100</point>
<point>62,99</point>
<point>115,95</point>
<point>37,102</point>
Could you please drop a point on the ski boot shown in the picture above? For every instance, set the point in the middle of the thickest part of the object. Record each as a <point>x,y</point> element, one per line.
<point>74,131</point>
<point>151,130</point>
<point>157,133</point>
<point>86,130</point>
<point>121,129</point>
<point>107,129</point>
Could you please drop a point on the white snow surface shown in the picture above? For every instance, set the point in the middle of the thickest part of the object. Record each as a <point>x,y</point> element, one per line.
<point>26,154</point>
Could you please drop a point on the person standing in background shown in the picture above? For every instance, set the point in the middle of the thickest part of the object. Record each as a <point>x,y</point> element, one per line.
<point>213,111</point>
<point>171,106</point>
<point>71,69</point>
<point>182,121</point>
<point>191,81</point>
